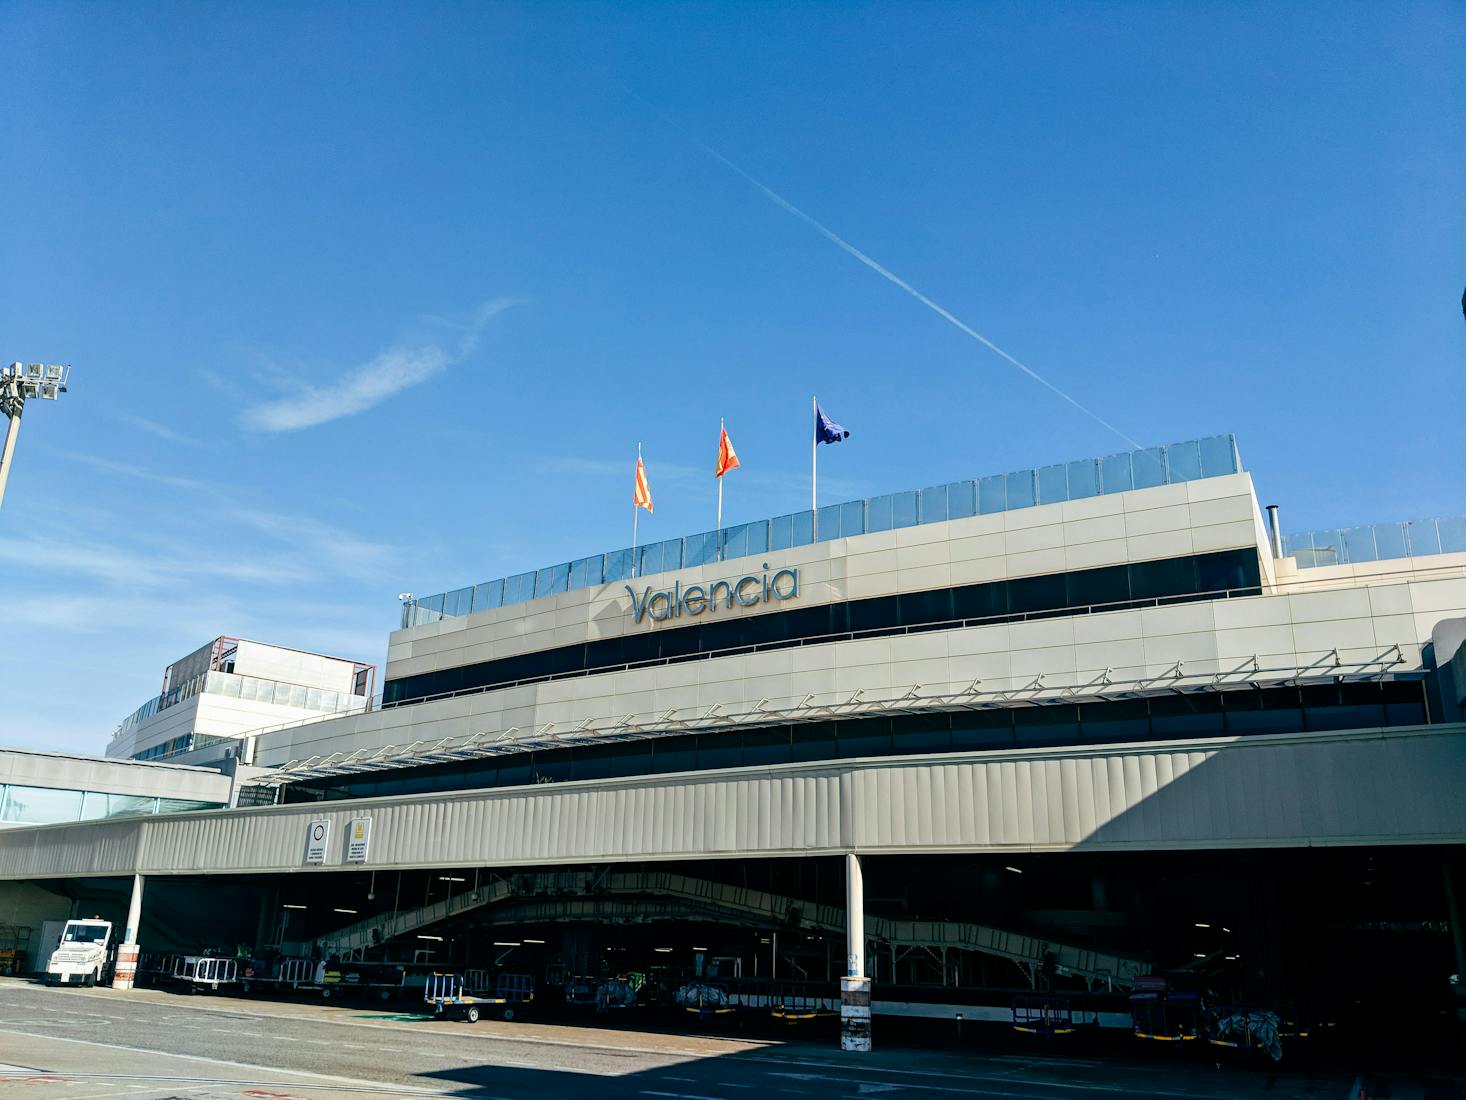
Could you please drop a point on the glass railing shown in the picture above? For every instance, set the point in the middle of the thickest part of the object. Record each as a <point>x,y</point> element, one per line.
<point>234,686</point>
<point>1176,462</point>
<point>1411,538</point>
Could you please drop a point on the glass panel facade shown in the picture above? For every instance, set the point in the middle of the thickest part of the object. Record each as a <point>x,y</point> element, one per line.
<point>934,504</point>
<point>1083,479</point>
<point>961,499</point>
<point>488,595</point>
<point>1053,484</point>
<point>1148,467</point>
<point>518,588</point>
<point>1141,583</point>
<point>1172,716</point>
<point>40,805</point>
<point>1378,542</point>
<point>588,572</point>
<point>1211,457</point>
<point>22,805</point>
<point>1184,460</point>
<point>1020,489</point>
<point>904,509</point>
<point>1115,474</point>
<point>878,513</point>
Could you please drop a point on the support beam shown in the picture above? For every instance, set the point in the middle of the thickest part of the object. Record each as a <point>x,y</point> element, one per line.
<point>125,972</point>
<point>855,986</point>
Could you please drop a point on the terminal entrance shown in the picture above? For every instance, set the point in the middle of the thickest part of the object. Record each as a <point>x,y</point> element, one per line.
<point>1351,946</point>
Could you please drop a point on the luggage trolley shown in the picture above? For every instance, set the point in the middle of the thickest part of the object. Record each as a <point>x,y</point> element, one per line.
<point>706,1000</point>
<point>1049,1014</point>
<point>449,997</point>
<point>796,1005</point>
<point>206,972</point>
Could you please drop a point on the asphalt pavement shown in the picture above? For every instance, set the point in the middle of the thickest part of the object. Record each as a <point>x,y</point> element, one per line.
<point>153,1045</point>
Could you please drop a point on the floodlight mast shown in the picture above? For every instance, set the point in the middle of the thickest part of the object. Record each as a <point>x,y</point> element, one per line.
<point>19,381</point>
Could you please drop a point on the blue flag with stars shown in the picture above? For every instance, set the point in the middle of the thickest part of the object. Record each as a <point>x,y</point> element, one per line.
<point>826,430</point>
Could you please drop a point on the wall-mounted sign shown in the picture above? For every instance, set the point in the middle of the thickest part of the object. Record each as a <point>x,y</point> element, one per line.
<point>747,591</point>
<point>317,835</point>
<point>358,838</point>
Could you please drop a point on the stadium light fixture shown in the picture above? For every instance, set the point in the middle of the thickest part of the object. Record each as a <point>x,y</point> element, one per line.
<point>19,382</point>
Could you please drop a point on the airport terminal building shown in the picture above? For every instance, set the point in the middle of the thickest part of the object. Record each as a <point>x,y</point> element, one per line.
<point>1056,728</point>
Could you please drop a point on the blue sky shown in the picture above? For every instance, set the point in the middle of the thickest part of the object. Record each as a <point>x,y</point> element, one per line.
<point>364,299</point>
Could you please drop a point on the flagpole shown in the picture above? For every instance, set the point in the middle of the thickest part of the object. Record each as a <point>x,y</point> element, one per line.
<point>814,463</point>
<point>635,508</point>
<point>718,531</point>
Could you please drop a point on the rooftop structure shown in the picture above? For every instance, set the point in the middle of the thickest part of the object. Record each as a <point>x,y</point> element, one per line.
<point>231,686</point>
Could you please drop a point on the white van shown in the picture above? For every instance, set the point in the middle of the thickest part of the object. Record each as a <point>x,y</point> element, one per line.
<point>82,956</point>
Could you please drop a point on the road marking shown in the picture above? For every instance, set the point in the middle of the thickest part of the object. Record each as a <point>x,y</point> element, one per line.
<point>358,1082</point>
<point>675,1095</point>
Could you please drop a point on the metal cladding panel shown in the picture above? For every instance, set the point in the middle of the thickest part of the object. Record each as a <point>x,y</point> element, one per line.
<point>1379,787</point>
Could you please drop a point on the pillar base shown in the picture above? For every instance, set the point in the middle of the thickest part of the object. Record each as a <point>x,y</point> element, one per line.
<point>124,974</point>
<point>855,1014</point>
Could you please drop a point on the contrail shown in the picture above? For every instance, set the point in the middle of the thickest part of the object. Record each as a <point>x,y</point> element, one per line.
<point>891,277</point>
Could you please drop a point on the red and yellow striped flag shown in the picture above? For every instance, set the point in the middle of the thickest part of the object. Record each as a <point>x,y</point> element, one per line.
<point>727,457</point>
<point>642,496</point>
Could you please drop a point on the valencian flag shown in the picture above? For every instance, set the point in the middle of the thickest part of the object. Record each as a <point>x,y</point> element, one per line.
<point>727,460</point>
<point>642,496</point>
<point>727,457</point>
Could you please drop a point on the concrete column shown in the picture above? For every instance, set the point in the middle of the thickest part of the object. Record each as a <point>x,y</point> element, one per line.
<point>125,972</point>
<point>855,986</point>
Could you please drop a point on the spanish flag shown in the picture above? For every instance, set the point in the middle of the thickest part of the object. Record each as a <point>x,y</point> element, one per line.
<point>642,496</point>
<point>727,457</point>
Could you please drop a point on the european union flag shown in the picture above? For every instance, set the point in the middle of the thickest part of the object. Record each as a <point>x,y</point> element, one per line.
<point>825,429</point>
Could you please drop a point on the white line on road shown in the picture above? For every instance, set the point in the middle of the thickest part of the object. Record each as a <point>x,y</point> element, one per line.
<point>675,1095</point>
<point>377,1086</point>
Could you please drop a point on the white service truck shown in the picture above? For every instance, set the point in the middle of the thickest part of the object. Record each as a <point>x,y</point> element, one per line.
<point>83,955</point>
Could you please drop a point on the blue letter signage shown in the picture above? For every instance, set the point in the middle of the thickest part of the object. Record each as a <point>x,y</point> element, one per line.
<point>747,591</point>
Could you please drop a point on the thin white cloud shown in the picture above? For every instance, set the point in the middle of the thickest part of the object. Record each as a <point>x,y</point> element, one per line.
<point>162,431</point>
<point>368,385</point>
<point>141,473</point>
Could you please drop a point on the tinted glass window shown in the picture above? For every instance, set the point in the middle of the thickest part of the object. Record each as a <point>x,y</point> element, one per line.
<point>918,733</point>
<point>1091,586</point>
<point>551,767</point>
<point>1046,725</point>
<point>1343,706</point>
<point>769,746</point>
<point>1118,720</point>
<point>1271,710</point>
<point>1169,577</point>
<point>1404,702</point>
<point>720,750</point>
<point>814,741</point>
<point>865,738</point>
<point>1036,593</point>
<point>925,607</point>
<point>872,614</point>
<point>1186,715</point>
<point>982,729</point>
<point>674,754</point>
